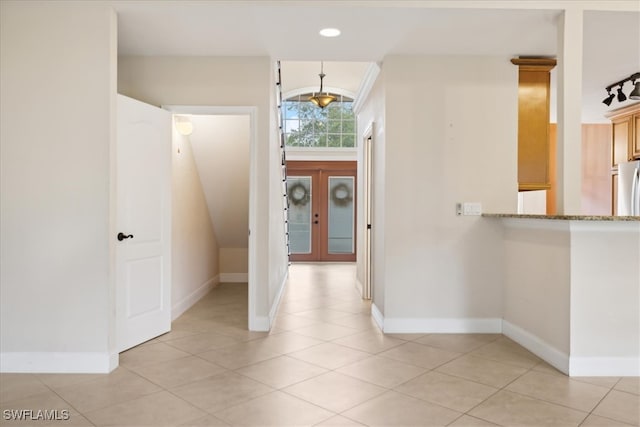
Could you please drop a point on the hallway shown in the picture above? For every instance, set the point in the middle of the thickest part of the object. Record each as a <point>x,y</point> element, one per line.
<point>324,363</point>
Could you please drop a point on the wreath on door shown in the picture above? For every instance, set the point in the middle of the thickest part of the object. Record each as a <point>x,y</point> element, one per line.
<point>341,195</point>
<point>298,194</point>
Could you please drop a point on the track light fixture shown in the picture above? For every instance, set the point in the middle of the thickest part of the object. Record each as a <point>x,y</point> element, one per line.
<point>635,93</point>
<point>609,97</point>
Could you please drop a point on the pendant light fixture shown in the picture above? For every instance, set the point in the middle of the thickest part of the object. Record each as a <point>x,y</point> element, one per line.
<point>320,99</point>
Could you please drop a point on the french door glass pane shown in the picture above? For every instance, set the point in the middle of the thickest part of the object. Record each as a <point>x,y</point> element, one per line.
<point>299,195</point>
<point>341,215</point>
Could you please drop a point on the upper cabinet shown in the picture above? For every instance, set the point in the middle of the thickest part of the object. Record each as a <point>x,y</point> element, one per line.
<point>626,135</point>
<point>635,148</point>
<point>625,143</point>
<point>533,122</point>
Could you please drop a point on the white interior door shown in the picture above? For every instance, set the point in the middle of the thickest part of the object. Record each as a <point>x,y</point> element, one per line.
<point>143,243</point>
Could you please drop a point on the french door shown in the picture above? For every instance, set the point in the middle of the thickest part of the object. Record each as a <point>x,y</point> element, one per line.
<point>322,210</point>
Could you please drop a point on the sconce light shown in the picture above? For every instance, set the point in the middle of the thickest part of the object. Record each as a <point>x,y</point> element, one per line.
<point>635,93</point>
<point>183,125</point>
<point>322,100</point>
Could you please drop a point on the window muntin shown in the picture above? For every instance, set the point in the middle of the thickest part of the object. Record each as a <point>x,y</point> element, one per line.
<point>306,125</point>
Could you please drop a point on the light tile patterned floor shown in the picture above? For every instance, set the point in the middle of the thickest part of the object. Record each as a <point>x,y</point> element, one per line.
<point>325,363</point>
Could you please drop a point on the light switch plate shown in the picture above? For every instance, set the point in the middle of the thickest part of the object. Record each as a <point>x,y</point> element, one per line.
<point>472,208</point>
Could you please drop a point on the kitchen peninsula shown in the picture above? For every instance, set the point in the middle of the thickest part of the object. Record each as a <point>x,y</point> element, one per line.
<point>572,290</point>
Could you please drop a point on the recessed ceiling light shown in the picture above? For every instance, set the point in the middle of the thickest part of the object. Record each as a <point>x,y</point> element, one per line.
<point>329,32</point>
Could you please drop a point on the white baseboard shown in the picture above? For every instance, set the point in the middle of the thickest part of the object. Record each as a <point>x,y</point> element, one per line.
<point>401,325</point>
<point>188,301</point>
<point>537,346</point>
<point>277,299</point>
<point>234,277</point>
<point>58,362</point>
<point>260,324</point>
<point>604,366</point>
<point>378,317</point>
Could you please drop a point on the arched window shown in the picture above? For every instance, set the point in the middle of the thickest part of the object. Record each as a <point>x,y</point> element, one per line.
<point>306,125</point>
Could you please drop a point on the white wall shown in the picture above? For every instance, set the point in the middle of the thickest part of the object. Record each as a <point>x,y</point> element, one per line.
<point>450,136</point>
<point>572,293</point>
<point>221,149</point>
<point>234,260</point>
<point>227,81</point>
<point>537,269</point>
<point>57,108</point>
<point>605,298</point>
<point>195,252</point>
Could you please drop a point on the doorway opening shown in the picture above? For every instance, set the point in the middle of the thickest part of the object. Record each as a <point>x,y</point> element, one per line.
<point>225,159</point>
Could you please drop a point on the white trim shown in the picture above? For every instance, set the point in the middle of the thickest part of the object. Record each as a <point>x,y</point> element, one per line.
<point>364,90</point>
<point>537,346</point>
<point>604,366</point>
<point>58,362</point>
<point>234,277</point>
<point>378,317</point>
<point>261,324</point>
<point>365,205</point>
<point>277,299</point>
<point>187,302</point>
<point>413,325</point>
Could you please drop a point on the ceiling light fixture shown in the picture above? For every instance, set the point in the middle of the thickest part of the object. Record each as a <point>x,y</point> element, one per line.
<point>320,99</point>
<point>609,98</point>
<point>329,32</point>
<point>635,93</point>
<point>183,125</point>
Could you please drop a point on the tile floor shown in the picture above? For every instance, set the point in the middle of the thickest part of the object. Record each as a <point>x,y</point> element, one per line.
<point>324,363</point>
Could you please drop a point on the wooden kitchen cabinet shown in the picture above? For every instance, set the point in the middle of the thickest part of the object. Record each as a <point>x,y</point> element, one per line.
<point>621,137</point>
<point>625,135</point>
<point>625,143</point>
<point>533,122</point>
<point>635,146</point>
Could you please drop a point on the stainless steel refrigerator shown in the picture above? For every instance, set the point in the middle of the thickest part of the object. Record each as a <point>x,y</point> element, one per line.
<point>629,188</point>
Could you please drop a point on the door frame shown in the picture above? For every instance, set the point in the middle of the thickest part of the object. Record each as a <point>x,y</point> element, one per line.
<point>330,168</point>
<point>367,203</point>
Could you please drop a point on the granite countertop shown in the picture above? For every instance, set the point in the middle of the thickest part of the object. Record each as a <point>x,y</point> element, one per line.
<point>564,217</point>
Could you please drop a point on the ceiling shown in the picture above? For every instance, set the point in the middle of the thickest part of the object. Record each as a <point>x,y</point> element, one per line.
<point>371,30</point>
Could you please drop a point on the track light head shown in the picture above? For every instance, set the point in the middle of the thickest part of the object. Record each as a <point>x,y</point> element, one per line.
<point>635,93</point>
<point>607,101</point>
